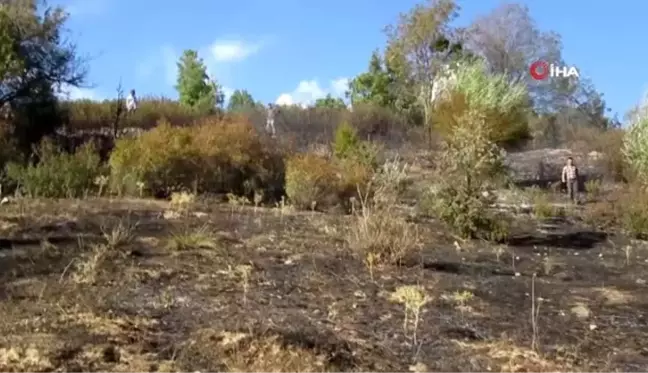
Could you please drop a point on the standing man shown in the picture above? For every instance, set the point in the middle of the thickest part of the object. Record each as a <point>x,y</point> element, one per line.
<point>270,119</point>
<point>131,102</point>
<point>570,177</point>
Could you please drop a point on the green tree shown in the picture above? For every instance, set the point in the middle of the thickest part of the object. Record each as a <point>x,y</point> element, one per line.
<point>509,40</point>
<point>241,101</point>
<point>419,45</point>
<point>195,88</point>
<point>35,60</point>
<point>378,86</point>
<point>10,61</point>
<point>373,86</point>
<point>330,102</point>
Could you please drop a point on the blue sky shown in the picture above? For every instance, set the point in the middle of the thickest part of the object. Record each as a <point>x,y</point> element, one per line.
<point>302,49</point>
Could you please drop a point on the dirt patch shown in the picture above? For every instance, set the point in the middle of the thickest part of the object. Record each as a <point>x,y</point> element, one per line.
<point>245,289</point>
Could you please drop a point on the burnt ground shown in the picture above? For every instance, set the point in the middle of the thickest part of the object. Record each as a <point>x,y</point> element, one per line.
<point>269,290</point>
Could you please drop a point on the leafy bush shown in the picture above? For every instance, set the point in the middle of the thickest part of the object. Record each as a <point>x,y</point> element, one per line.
<point>469,168</point>
<point>57,174</point>
<point>503,105</point>
<point>635,144</point>
<point>214,156</point>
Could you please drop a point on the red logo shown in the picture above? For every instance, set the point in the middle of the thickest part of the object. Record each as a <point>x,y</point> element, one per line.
<point>539,70</point>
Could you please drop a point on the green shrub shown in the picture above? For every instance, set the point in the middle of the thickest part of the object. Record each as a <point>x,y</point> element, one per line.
<point>346,140</point>
<point>57,174</point>
<point>635,142</point>
<point>593,188</point>
<point>503,105</point>
<point>542,207</point>
<point>469,166</point>
<point>214,156</point>
<point>348,146</point>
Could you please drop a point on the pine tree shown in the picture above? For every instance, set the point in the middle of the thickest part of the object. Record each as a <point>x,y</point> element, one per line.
<point>195,88</point>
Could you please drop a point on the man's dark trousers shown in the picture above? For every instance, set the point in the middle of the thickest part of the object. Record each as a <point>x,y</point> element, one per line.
<point>572,189</point>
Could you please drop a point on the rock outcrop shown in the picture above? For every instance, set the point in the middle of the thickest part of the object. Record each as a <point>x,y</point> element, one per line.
<point>544,166</point>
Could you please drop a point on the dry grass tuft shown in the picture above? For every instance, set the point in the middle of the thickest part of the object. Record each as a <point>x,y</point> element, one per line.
<point>201,238</point>
<point>240,352</point>
<point>511,358</point>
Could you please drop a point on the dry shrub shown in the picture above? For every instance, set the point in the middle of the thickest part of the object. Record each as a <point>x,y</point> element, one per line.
<point>91,115</point>
<point>312,181</point>
<point>379,233</point>
<point>317,125</point>
<point>238,158</point>
<point>317,182</point>
<point>267,352</point>
<point>377,123</point>
<point>609,143</point>
<point>626,208</point>
<point>632,209</point>
<point>601,215</point>
<point>214,156</point>
<point>306,125</point>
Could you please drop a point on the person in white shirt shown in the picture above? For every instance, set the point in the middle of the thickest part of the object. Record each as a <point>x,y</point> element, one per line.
<point>570,177</point>
<point>270,119</point>
<point>131,101</point>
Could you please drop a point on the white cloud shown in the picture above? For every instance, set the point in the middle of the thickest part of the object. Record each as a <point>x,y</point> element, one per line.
<point>308,91</point>
<point>285,99</point>
<point>232,50</point>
